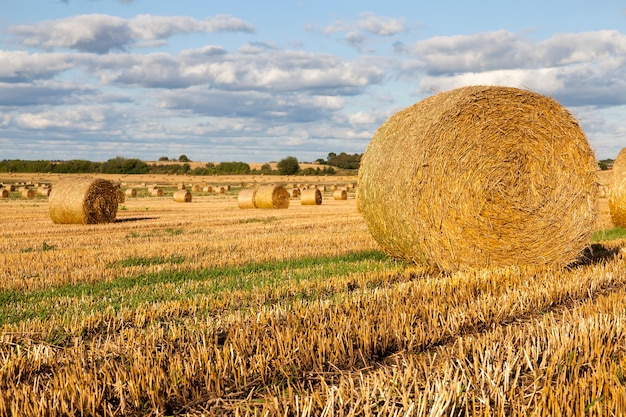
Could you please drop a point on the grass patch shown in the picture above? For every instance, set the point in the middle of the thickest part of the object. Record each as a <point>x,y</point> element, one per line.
<point>608,234</point>
<point>132,292</point>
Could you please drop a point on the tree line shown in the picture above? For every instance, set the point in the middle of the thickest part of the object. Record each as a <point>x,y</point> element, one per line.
<point>120,165</point>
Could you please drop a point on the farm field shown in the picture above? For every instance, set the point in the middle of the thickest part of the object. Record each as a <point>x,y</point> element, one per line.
<point>203,308</point>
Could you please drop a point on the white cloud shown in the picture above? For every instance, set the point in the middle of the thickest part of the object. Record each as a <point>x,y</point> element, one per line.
<point>100,33</point>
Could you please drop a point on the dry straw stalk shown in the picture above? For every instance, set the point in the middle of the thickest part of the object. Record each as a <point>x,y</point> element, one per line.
<point>182,196</point>
<point>480,176</point>
<point>83,201</point>
<point>272,197</point>
<point>311,197</point>
<point>617,190</point>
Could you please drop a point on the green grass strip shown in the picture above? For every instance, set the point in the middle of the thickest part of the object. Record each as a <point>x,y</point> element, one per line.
<point>608,234</point>
<point>144,288</point>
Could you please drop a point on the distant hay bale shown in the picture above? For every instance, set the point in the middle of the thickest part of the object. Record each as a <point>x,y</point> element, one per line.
<point>221,189</point>
<point>295,193</point>
<point>311,197</point>
<point>27,193</point>
<point>196,188</point>
<point>207,189</point>
<point>4,193</point>
<point>182,196</point>
<point>156,192</point>
<point>617,190</point>
<point>271,197</point>
<point>480,177</point>
<point>245,198</point>
<point>44,191</point>
<point>340,194</point>
<point>83,201</point>
<point>131,192</point>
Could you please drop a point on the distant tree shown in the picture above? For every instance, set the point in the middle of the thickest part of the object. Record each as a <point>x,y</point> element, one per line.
<point>266,169</point>
<point>183,158</point>
<point>164,158</point>
<point>288,165</point>
<point>345,161</point>
<point>320,161</point>
<point>232,168</point>
<point>121,165</point>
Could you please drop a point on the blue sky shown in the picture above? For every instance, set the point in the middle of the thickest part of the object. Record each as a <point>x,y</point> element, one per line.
<point>258,81</point>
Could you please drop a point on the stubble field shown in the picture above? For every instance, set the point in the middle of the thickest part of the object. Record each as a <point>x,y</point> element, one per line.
<point>204,309</point>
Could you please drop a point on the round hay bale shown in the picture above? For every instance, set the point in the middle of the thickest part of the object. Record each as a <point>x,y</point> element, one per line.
<point>196,188</point>
<point>44,191</point>
<point>131,192</point>
<point>245,198</point>
<point>27,193</point>
<point>4,193</point>
<point>311,197</point>
<point>221,189</point>
<point>207,189</point>
<point>156,192</point>
<point>182,196</point>
<point>83,201</point>
<point>271,197</point>
<point>480,177</point>
<point>617,190</point>
<point>340,194</point>
<point>295,193</point>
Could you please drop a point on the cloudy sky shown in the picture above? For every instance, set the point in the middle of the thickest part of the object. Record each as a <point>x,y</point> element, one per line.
<point>256,81</point>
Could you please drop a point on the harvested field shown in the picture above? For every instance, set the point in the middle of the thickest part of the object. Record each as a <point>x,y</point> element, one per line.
<point>206,309</point>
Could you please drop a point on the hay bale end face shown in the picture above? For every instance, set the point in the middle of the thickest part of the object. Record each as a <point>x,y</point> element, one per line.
<point>4,193</point>
<point>27,193</point>
<point>311,197</point>
<point>245,198</point>
<point>617,190</point>
<point>480,177</point>
<point>83,201</point>
<point>182,196</point>
<point>271,197</point>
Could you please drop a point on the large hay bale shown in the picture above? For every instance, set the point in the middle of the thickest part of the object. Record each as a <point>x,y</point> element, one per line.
<point>155,192</point>
<point>245,198</point>
<point>83,201</point>
<point>131,192</point>
<point>617,190</point>
<point>27,192</point>
<point>478,177</point>
<point>311,197</point>
<point>340,194</point>
<point>182,196</point>
<point>271,197</point>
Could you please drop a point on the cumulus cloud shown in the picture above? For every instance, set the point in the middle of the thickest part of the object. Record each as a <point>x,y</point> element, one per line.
<point>101,34</point>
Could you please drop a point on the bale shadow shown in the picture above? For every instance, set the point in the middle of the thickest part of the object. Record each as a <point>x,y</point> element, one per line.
<point>134,219</point>
<point>597,254</point>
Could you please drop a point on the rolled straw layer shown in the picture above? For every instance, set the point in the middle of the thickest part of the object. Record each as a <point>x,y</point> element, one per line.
<point>182,196</point>
<point>83,201</point>
<point>311,197</point>
<point>245,198</point>
<point>479,177</point>
<point>617,190</point>
<point>272,197</point>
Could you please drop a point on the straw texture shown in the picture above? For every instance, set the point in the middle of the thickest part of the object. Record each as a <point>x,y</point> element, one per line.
<point>311,197</point>
<point>83,201</point>
<point>340,194</point>
<point>617,190</point>
<point>182,196</point>
<point>245,198</point>
<point>479,177</point>
<point>272,197</point>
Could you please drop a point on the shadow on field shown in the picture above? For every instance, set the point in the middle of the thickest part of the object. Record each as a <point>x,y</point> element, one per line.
<point>596,254</point>
<point>134,219</point>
